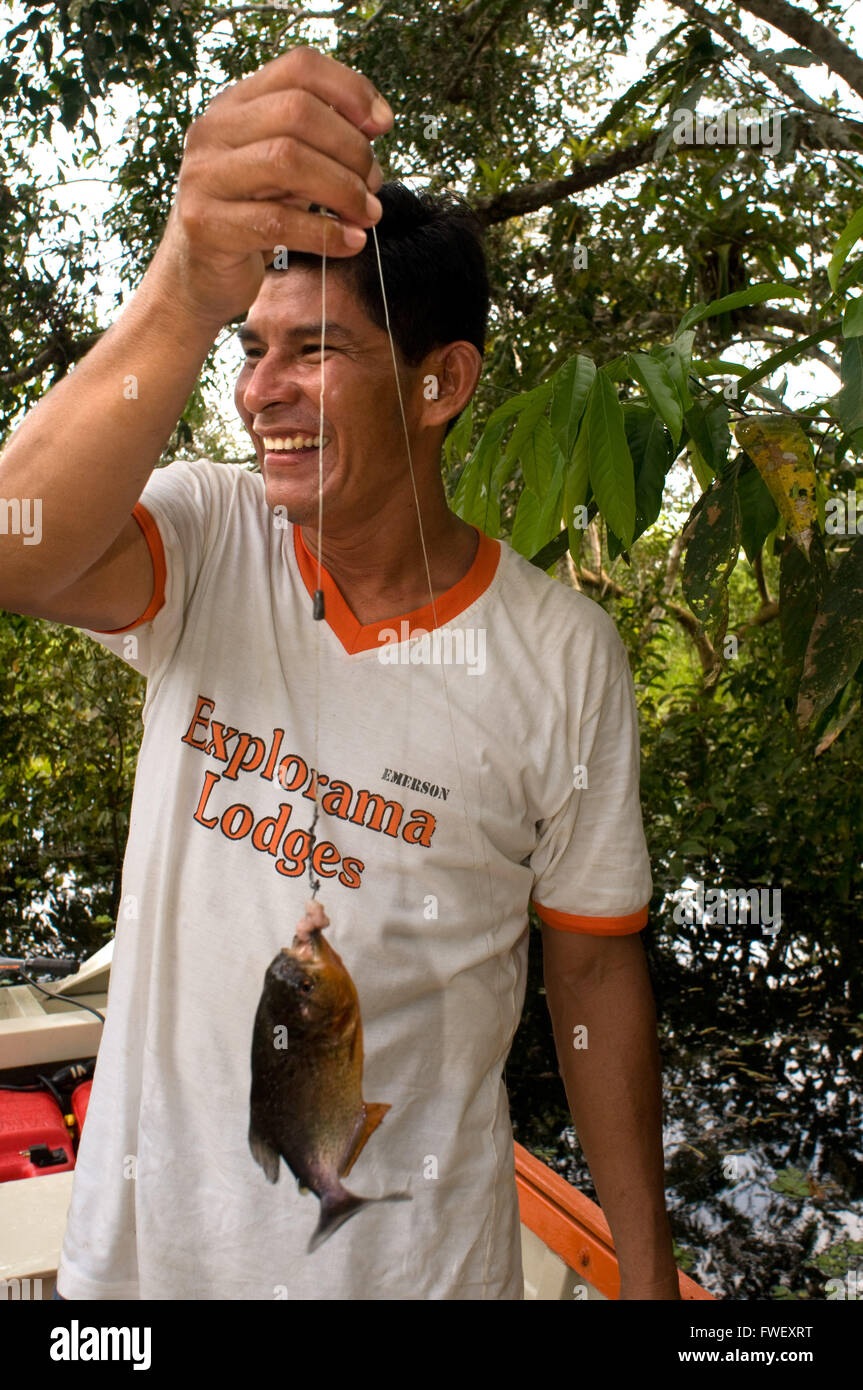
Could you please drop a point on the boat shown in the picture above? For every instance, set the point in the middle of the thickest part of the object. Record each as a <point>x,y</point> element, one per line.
<point>567,1247</point>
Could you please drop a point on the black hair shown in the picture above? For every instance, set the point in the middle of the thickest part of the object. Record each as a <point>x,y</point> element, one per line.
<point>434,271</point>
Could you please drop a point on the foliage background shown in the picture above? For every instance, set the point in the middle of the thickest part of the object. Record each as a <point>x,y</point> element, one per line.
<point>553,119</point>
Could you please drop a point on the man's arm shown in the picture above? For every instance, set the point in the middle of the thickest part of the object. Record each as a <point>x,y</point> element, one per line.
<point>613,1086</point>
<point>294,133</point>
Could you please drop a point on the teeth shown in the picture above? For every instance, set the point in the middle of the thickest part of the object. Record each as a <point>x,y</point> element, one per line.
<point>298,441</point>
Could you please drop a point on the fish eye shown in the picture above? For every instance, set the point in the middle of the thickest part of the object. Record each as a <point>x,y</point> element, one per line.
<point>306,986</point>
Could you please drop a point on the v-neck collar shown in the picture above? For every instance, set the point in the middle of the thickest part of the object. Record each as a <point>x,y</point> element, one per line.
<point>361,637</point>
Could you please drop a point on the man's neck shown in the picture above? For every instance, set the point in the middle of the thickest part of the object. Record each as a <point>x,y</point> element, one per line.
<point>379,565</point>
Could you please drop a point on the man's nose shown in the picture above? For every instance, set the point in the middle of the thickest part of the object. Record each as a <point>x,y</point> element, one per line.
<point>271,383</point>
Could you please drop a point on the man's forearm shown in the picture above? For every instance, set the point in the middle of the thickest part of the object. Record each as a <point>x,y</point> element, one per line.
<point>605,1030</point>
<point>88,447</point>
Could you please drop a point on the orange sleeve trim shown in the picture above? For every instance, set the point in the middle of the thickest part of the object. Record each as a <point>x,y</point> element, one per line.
<point>160,570</point>
<point>596,926</point>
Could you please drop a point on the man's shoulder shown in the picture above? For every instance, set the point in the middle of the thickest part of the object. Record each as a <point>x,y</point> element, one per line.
<point>213,473</point>
<point>560,612</point>
<point>204,492</point>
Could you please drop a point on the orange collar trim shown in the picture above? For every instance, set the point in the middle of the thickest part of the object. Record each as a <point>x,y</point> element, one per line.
<point>362,637</point>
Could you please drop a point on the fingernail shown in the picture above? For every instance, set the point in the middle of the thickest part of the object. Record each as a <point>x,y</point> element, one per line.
<point>375,177</point>
<point>381,111</point>
<point>373,207</point>
<point>354,236</point>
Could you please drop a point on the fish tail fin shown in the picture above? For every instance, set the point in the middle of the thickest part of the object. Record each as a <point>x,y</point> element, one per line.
<point>338,1204</point>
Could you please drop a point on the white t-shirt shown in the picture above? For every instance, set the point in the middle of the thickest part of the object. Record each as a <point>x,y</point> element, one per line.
<point>452,792</point>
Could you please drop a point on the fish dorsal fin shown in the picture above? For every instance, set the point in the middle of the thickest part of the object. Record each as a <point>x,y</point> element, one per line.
<point>372,1114</point>
<point>264,1153</point>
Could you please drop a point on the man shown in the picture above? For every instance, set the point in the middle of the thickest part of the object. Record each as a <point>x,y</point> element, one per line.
<point>447,792</point>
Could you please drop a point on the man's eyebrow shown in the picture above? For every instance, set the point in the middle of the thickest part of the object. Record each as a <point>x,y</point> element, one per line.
<point>246,333</point>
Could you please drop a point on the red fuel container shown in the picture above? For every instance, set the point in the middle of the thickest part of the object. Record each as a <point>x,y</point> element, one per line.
<point>32,1121</point>
<point>80,1101</point>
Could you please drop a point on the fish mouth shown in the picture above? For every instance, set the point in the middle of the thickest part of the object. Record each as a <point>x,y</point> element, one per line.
<point>307,947</point>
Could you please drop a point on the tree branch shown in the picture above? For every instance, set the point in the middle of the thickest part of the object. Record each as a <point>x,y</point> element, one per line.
<point>761,579</point>
<point>690,624</point>
<point>529,197</point>
<point>832,125</point>
<point>811,34</point>
<point>454,92</point>
<point>672,567</point>
<point>58,353</point>
<point>766,613</point>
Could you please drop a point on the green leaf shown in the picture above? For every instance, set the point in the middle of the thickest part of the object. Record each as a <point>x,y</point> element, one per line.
<point>571,385</point>
<point>477,496</point>
<point>850,398</point>
<point>533,408</point>
<point>758,512</point>
<point>712,539</point>
<point>755,294</point>
<point>795,57</point>
<point>656,382</point>
<point>852,319</point>
<point>611,471</point>
<point>537,520</point>
<point>835,647</point>
<point>577,485</point>
<point>793,1183</point>
<point>639,89</point>
<point>551,553</point>
<point>799,598</point>
<point>708,425</point>
<point>525,523</point>
<point>458,439</point>
<point>652,456</point>
<point>703,472</point>
<point>797,349</point>
<point>476,500</point>
<point>677,358</point>
<point>535,455</point>
<point>845,241</point>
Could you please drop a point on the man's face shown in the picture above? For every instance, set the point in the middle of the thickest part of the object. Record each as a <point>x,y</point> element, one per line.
<point>278,397</point>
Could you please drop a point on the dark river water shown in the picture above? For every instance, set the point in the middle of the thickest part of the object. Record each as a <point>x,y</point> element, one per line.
<point>763,1084</point>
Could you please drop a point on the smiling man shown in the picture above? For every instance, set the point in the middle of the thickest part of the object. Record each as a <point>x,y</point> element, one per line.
<point>446,803</point>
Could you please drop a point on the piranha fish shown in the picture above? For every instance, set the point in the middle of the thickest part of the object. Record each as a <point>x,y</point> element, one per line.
<point>306,1101</point>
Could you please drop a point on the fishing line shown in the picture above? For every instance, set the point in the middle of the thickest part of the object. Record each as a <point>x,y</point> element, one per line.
<point>318,609</point>
<point>467,820</point>
<point>318,606</point>
<point>423,541</point>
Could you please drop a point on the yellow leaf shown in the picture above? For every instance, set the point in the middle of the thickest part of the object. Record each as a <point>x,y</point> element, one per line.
<point>782,453</point>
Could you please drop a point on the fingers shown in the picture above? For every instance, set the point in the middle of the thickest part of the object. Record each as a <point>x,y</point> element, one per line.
<point>239,228</point>
<point>299,114</point>
<point>295,133</point>
<point>349,92</point>
<point>284,166</point>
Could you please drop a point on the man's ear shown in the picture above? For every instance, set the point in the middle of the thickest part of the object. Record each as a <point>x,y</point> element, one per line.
<point>449,378</point>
